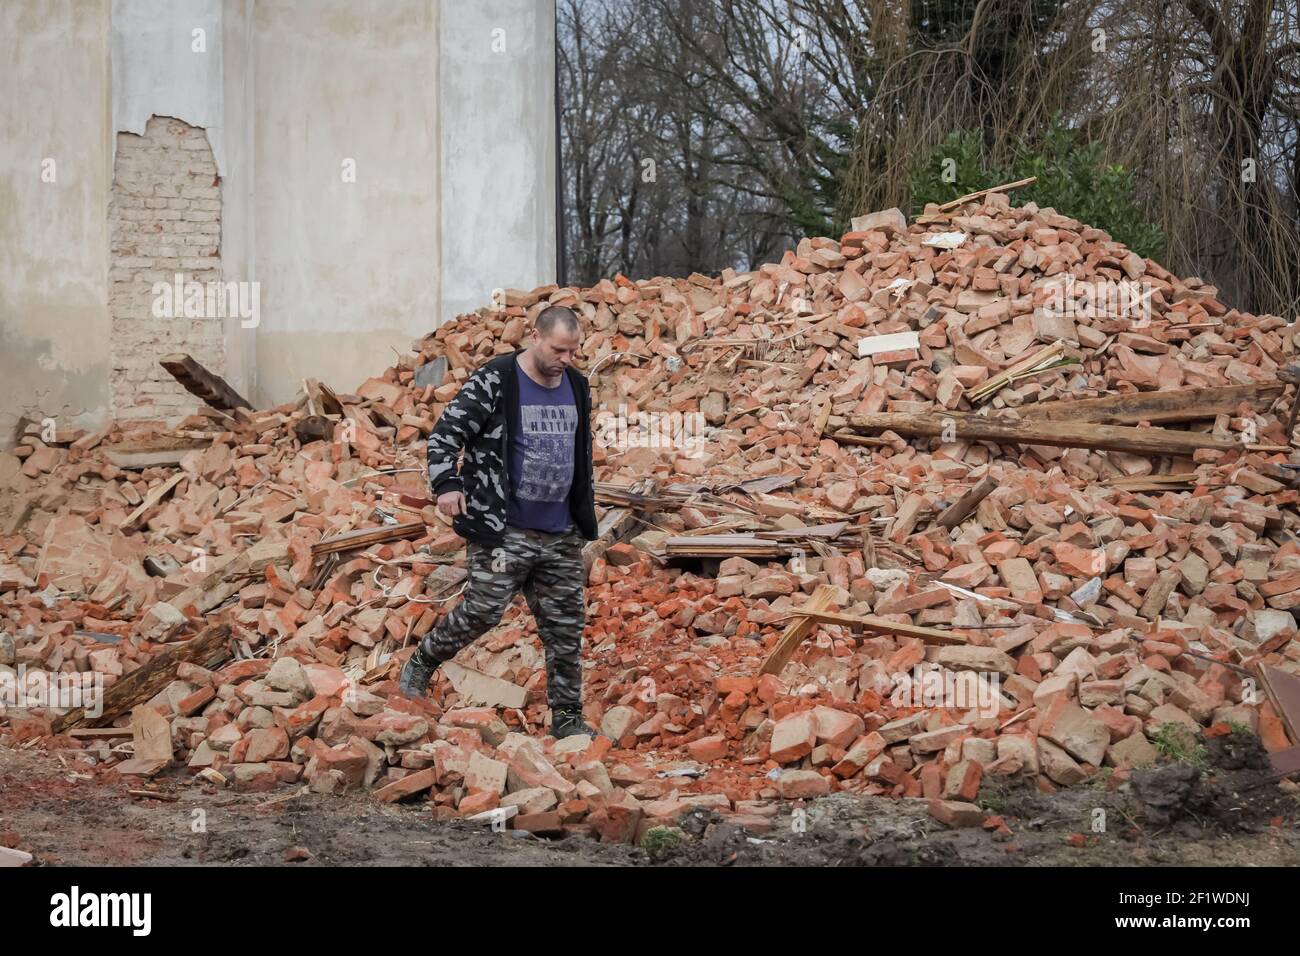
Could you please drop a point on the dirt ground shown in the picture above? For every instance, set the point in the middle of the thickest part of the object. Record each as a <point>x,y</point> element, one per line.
<point>1174,815</point>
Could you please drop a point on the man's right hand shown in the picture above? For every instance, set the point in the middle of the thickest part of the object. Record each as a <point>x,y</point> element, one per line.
<point>452,503</point>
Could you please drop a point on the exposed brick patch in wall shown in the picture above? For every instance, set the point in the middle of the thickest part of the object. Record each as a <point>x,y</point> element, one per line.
<point>164,219</point>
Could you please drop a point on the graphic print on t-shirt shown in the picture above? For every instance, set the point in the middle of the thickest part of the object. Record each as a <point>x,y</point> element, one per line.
<point>547,433</point>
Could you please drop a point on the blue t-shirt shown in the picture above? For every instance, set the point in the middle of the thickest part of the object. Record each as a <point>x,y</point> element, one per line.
<point>542,456</point>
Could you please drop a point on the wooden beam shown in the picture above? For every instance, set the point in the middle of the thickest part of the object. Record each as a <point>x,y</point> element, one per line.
<point>155,495</point>
<point>722,546</point>
<point>207,649</point>
<point>197,380</point>
<point>365,537</point>
<point>797,630</point>
<point>1168,406</point>
<point>959,510</point>
<point>879,625</point>
<point>957,427</point>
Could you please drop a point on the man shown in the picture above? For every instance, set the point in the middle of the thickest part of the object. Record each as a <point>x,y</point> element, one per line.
<point>524,501</point>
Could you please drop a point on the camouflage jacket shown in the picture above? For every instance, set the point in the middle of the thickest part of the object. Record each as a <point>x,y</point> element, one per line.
<point>480,421</point>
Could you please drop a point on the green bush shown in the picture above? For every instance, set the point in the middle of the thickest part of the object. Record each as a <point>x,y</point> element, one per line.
<point>1072,179</point>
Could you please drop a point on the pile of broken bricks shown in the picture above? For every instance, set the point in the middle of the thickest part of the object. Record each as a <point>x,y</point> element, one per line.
<point>1105,535</point>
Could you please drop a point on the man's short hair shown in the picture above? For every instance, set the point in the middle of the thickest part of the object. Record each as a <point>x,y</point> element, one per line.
<point>557,315</point>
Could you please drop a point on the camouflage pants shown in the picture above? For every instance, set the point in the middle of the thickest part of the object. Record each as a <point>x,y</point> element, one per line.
<point>548,569</point>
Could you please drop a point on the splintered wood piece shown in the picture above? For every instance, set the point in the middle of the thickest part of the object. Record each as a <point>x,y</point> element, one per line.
<point>797,630</point>
<point>971,197</point>
<point>154,496</point>
<point>198,381</point>
<point>364,537</point>
<point>206,648</point>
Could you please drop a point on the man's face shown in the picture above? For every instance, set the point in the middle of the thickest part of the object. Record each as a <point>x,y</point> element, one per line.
<point>556,351</point>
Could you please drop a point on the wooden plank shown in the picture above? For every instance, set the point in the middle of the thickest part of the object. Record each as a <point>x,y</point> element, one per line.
<point>197,380</point>
<point>879,625</point>
<point>1139,485</point>
<point>207,649</point>
<point>365,537</point>
<point>721,545</point>
<point>155,495</point>
<point>797,630</point>
<point>1133,441</point>
<point>959,510</point>
<point>1168,406</point>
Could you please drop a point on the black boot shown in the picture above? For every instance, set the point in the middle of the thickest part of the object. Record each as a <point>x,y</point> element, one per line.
<point>417,672</point>
<point>568,721</point>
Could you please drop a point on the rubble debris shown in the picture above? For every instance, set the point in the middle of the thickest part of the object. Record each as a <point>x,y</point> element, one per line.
<point>1101,547</point>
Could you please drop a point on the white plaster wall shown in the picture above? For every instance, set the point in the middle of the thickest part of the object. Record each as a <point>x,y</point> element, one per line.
<point>54,319</point>
<point>157,70</point>
<point>498,148</point>
<point>348,270</point>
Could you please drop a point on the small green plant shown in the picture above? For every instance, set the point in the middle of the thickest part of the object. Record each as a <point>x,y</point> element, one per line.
<point>1240,729</point>
<point>1072,179</point>
<point>1101,779</point>
<point>658,842</point>
<point>992,800</point>
<point>1179,744</point>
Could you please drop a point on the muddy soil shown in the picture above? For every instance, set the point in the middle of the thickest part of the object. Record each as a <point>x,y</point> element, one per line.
<point>1173,815</point>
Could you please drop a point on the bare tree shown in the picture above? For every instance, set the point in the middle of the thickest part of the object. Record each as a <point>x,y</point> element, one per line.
<point>769,120</point>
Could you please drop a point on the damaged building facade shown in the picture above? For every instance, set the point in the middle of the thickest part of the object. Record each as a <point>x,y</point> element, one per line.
<point>280,190</point>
